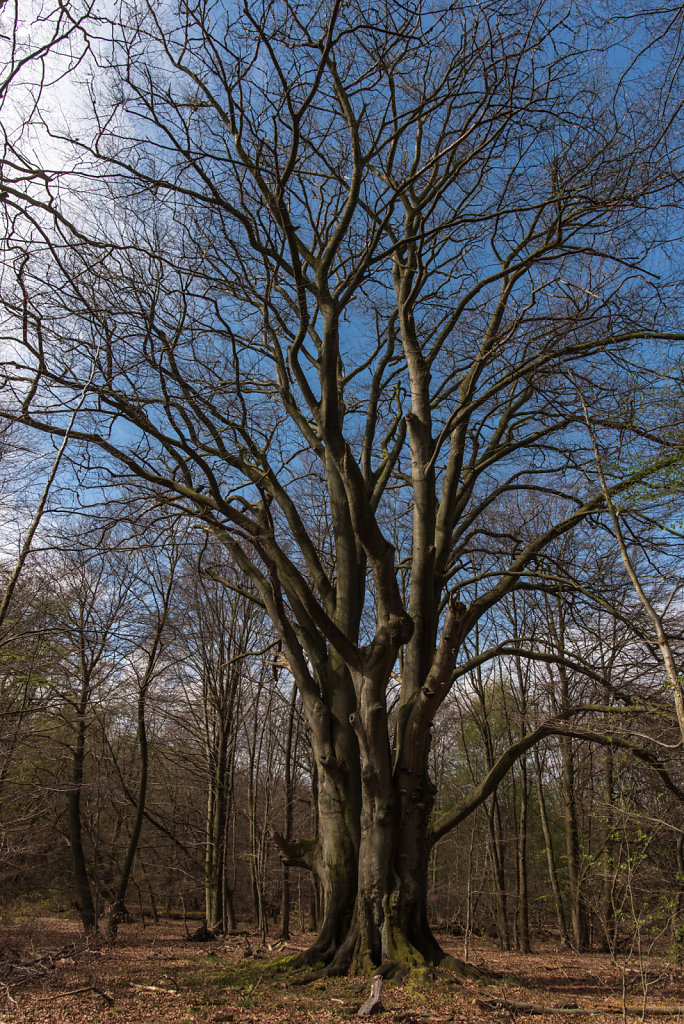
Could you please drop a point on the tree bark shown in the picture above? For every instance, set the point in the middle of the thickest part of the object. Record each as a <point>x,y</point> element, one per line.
<point>117,911</point>
<point>678,917</point>
<point>496,856</point>
<point>607,909</point>
<point>215,837</point>
<point>578,921</point>
<point>522,910</point>
<point>288,816</point>
<point>83,892</point>
<point>550,859</point>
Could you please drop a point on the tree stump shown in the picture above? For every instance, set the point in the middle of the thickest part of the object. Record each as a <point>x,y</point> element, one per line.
<point>374,1002</point>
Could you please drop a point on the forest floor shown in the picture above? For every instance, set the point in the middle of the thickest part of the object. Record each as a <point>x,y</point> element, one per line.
<point>155,976</point>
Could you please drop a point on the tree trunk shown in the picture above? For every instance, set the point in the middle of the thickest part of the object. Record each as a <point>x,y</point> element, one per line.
<point>678,917</point>
<point>550,859</point>
<point>522,911</point>
<point>150,892</point>
<point>522,917</point>
<point>215,839</point>
<point>389,930</point>
<point>496,853</point>
<point>495,831</point>
<point>228,915</point>
<point>117,911</point>
<point>288,813</point>
<point>577,913</point>
<point>84,896</point>
<point>606,901</point>
<point>220,744</point>
<point>378,917</point>
<point>374,803</point>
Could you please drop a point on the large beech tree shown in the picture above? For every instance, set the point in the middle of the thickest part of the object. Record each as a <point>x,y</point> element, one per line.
<point>330,277</point>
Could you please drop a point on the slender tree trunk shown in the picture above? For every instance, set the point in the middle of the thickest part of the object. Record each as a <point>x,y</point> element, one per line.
<point>468,926</point>
<point>215,837</point>
<point>522,912</point>
<point>578,920</point>
<point>84,896</point>
<point>252,798</point>
<point>117,912</point>
<point>229,918</point>
<point>496,855</point>
<point>550,859</point>
<point>288,813</point>
<point>679,909</point>
<point>607,909</point>
<point>229,910</point>
<point>495,832</point>
<point>522,917</point>
<point>150,892</point>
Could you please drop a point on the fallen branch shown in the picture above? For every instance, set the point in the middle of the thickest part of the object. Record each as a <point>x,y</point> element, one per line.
<point>76,992</point>
<point>576,1011</point>
<point>155,988</point>
<point>8,993</point>
<point>47,959</point>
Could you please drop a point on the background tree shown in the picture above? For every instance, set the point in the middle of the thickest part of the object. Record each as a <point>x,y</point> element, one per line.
<point>146,663</point>
<point>218,639</point>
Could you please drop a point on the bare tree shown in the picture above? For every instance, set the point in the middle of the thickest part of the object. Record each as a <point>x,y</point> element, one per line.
<point>87,615</point>
<point>218,639</point>
<point>146,663</point>
<point>349,259</point>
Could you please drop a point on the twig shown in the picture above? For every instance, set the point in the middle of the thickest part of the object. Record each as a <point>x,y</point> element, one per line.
<point>8,993</point>
<point>155,988</point>
<point>76,992</point>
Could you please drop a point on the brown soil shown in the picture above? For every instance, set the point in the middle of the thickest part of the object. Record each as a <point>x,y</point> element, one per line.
<point>154,975</point>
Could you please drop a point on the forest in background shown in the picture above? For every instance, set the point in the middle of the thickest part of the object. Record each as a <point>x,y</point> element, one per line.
<point>129,630</point>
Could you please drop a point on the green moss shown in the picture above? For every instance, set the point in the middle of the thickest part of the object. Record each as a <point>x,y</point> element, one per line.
<point>418,981</point>
<point>244,978</point>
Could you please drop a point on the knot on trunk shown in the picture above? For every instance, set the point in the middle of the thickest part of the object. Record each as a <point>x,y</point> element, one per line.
<point>455,618</point>
<point>400,628</point>
<point>300,853</point>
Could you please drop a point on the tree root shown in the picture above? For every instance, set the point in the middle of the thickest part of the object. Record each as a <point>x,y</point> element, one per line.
<point>404,964</point>
<point>463,970</point>
<point>393,970</point>
<point>313,961</point>
<point>204,933</point>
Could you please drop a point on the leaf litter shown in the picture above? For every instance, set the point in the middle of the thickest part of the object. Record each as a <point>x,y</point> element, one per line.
<point>153,975</point>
